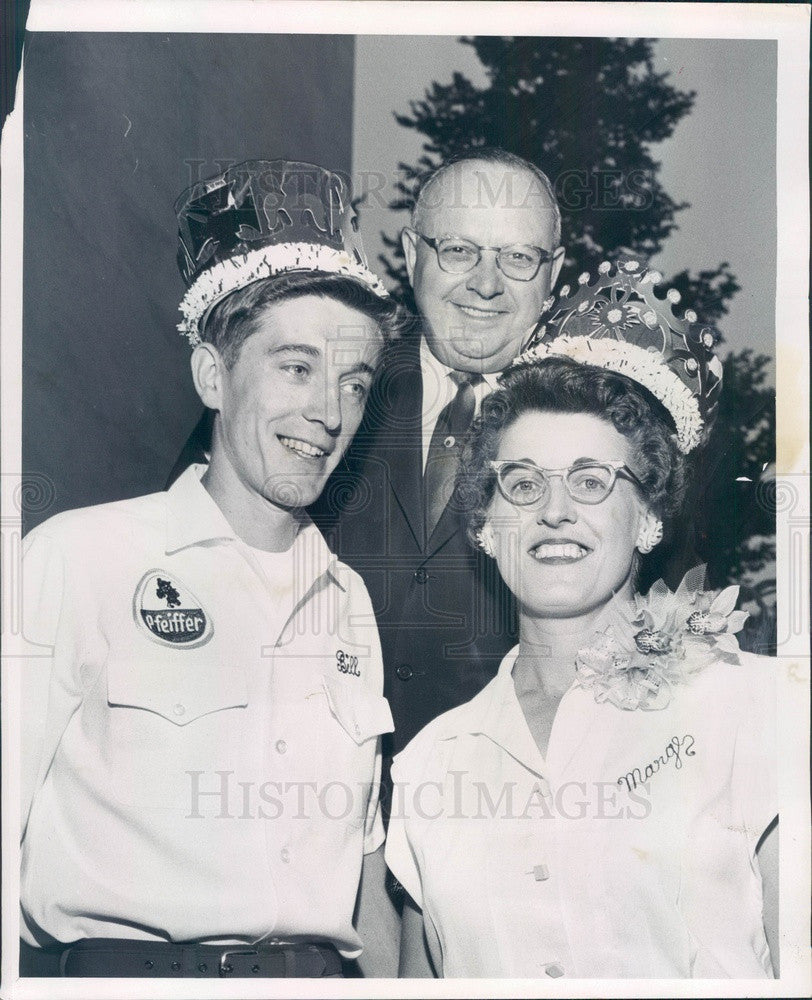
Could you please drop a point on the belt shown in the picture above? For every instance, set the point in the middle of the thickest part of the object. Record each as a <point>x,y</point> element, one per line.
<point>119,957</point>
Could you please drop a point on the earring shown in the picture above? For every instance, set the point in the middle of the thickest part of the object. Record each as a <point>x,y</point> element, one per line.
<point>650,535</point>
<point>486,540</point>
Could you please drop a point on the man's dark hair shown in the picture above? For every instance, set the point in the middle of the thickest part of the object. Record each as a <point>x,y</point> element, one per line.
<point>560,385</point>
<point>233,319</point>
<point>487,154</point>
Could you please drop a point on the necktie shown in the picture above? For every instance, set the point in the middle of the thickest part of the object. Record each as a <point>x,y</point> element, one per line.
<point>443,458</point>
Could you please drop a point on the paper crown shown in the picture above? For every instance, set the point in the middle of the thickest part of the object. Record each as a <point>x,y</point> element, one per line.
<point>261,218</point>
<point>618,323</point>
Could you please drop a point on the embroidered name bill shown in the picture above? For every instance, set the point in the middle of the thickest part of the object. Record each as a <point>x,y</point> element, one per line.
<point>347,664</point>
<point>677,746</point>
<point>168,611</point>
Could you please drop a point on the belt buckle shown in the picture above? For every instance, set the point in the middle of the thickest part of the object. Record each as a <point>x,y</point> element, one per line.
<point>225,967</point>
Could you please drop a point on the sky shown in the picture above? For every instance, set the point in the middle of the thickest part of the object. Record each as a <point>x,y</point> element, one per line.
<point>720,157</point>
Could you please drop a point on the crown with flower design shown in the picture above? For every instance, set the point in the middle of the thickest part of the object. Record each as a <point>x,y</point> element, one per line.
<point>259,219</point>
<point>618,323</point>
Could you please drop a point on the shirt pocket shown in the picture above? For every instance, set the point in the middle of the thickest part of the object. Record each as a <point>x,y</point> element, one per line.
<point>174,724</point>
<point>356,717</point>
<point>361,713</point>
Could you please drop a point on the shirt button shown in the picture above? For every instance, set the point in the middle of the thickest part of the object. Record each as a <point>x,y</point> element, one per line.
<point>178,709</point>
<point>405,672</point>
<point>554,971</point>
<point>281,746</point>
<point>421,575</point>
<point>450,441</point>
<point>284,854</point>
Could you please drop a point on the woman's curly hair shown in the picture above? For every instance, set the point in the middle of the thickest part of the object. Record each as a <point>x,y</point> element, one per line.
<point>560,385</point>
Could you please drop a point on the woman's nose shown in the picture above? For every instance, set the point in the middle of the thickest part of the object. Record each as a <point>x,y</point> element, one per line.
<point>557,506</point>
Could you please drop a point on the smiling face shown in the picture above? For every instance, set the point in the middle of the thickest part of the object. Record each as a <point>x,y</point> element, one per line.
<point>479,320</point>
<point>291,402</point>
<point>561,558</point>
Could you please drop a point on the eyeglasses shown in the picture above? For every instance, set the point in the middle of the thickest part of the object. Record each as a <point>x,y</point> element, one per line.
<point>525,483</point>
<point>520,261</point>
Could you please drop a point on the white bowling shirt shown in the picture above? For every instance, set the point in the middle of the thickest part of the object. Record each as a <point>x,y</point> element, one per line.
<point>614,857</point>
<point>210,754</point>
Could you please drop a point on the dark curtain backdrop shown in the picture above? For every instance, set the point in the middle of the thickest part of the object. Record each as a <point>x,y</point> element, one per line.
<point>116,125</point>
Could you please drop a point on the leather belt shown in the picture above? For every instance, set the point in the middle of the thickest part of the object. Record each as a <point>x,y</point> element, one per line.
<point>119,957</point>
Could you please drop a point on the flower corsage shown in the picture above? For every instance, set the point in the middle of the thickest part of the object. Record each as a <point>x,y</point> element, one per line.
<point>654,642</point>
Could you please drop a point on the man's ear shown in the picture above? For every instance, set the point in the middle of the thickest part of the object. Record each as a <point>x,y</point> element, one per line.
<point>555,270</point>
<point>408,240</point>
<point>208,369</point>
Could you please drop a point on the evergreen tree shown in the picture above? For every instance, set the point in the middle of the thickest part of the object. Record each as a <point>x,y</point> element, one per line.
<point>734,504</point>
<point>588,111</point>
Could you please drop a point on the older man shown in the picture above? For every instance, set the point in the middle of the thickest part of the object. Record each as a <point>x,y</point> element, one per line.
<point>482,253</point>
<point>200,785</point>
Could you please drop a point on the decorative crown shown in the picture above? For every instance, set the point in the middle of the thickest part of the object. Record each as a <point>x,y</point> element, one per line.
<point>618,323</point>
<point>262,218</point>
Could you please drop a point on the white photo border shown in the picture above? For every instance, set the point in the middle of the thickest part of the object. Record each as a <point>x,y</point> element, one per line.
<point>788,24</point>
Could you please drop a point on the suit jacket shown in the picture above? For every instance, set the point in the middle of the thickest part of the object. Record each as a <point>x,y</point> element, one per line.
<point>444,615</point>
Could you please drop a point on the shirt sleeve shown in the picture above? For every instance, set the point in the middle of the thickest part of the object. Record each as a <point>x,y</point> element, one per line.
<point>363,621</point>
<point>50,686</point>
<point>400,854</point>
<point>755,777</point>
<point>43,582</point>
<point>374,834</point>
<point>42,592</point>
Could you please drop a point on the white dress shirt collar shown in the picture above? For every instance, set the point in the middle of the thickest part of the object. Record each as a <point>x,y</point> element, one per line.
<point>439,390</point>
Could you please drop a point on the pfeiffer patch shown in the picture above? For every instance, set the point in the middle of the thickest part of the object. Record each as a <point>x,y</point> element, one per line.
<point>169,612</point>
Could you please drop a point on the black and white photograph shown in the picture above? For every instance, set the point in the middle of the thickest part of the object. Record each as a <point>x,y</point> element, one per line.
<point>405,500</point>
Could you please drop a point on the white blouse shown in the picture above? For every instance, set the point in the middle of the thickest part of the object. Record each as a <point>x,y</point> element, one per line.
<point>628,852</point>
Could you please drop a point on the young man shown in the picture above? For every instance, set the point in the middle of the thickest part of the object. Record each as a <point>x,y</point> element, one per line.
<point>482,254</point>
<point>201,788</point>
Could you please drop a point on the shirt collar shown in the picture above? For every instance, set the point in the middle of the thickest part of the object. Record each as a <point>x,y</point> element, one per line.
<point>192,517</point>
<point>191,514</point>
<point>489,714</point>
<point>436,372</point>
<point>313,558</point>
<point>496,713</point>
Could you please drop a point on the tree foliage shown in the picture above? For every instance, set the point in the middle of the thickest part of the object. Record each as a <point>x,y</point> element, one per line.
<point>734,506</point>
<point>589,111</point>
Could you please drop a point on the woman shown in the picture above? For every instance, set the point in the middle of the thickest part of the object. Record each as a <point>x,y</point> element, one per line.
<point>605,807</point>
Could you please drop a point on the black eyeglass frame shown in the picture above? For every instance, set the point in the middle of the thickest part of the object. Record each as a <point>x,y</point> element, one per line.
<point>545,256</point>
<point>616,468</point>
